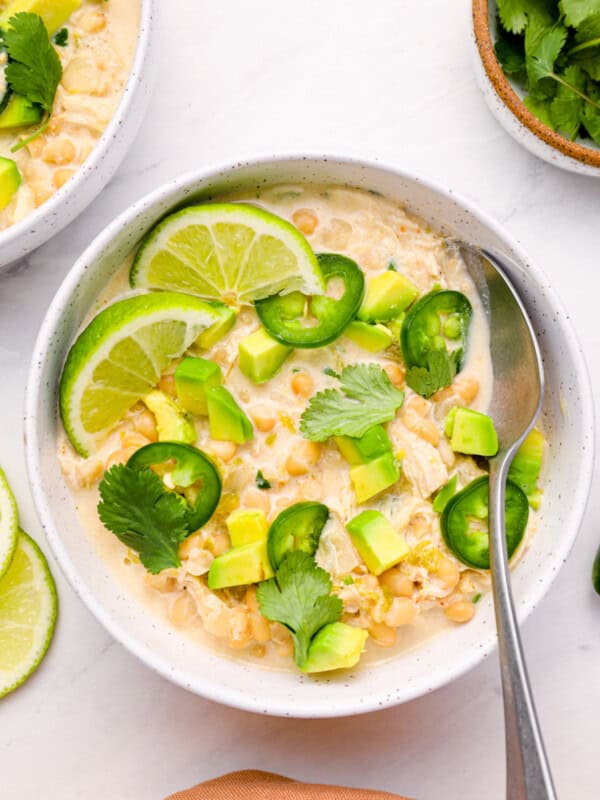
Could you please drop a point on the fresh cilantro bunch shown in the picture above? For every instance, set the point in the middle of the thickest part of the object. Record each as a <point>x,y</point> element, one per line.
<point>299,597</point>
<point>144,515</point>
<point>552,49</point>
<point>368,397</point>
<point>34,69</point>
<point>440,371</point>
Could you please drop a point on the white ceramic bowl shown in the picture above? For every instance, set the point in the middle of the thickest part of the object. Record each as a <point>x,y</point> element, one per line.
<point>89,180</point>
<point>568,419</point>
<point>505,100</point>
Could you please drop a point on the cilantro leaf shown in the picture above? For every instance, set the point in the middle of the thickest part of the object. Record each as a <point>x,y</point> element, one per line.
<point>61,37</point>
<point>261,481</point>
<point>144,515</point>
<point>441,368</point>
<point>590,115</point>
<point>299,597</point>
<point>586,52</point>
<point>543,45</point>
<point>510,52</point>
<point>515,14</point>
<point>576,11</point>
<point>566,107</point>
<point>541,109</point>
<point>34,69</point>
<point>368,398</point>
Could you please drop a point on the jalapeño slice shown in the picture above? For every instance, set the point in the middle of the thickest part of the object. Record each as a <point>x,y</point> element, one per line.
<point>435,318</point>
<point>190,471</point>
<point>465,522</point>
<point>305,321</point>
<point>298,527</point>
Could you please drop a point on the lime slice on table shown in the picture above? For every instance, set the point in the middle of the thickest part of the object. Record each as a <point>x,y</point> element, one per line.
<point>120,356</point>
<point>227,251</point>
<point>9,522</point>
<point>28,609</point>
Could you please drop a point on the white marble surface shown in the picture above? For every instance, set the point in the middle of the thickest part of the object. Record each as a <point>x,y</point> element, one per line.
<point>390,79</point>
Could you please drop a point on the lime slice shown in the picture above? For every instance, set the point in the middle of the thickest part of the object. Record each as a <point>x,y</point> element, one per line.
<point>28,608</point>
<point>120,357</point>
<point>9,522</point>
<point>227,251</point>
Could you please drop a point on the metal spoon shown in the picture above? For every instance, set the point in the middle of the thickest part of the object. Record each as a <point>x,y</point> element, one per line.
<point>518,391</point>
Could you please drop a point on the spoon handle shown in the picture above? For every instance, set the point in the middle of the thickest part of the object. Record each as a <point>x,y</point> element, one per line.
<point>527,770</point>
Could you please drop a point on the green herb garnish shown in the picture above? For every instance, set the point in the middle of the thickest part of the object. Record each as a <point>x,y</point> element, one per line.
<point>261,481</point>
<point>144,515</point>
<point>368,397</point>
<point>61,37</point>
<point>299,597</point>
<point>331,372</point>
<point>34,69</point>
<point>476,598</point>
<point>441,368</point>
<point>551,48</point>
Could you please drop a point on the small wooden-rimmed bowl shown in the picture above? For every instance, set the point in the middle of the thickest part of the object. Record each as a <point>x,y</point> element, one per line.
<point>508,107</point>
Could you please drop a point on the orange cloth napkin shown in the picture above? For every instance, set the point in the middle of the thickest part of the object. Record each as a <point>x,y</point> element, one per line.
<point>254,785</point>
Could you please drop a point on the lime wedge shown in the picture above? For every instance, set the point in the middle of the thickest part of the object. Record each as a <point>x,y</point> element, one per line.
<point>120,356</point>
<point>227,251</point>
<point>28,608</point>
<point>9,522</point>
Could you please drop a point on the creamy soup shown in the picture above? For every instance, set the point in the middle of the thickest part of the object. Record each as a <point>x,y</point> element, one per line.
<point>429,590</point>
<point>96,62</point>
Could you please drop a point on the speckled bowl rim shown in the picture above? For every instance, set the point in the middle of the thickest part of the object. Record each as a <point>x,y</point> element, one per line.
<point>53,205</point>
<point>210,687</point>
<point>506,93</point>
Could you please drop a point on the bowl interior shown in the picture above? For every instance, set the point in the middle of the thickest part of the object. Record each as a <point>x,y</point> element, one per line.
<point>567,420</point>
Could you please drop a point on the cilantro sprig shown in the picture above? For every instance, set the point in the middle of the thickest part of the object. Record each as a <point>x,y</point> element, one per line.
<point>440,371</point>
<point>552,49</point>
<point>299,597</point>
<point>34,69</point>
<point>144,515</point>
<point>368,398</point>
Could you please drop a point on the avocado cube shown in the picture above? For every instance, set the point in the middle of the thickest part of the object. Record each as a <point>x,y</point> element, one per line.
<point>218,329</point>
<point>241,566</point>
<point>335,646</point>
<point>527,464</point>
<point>471,432</point>
<point>246,525</point>
<point>372,478</point>
<point>19,113</point>
<point>374,443</point>
<point>54,13</point>
<point>10,180</point>
<point>387,296</point>
<point>379,544</point>
<point>193,377</point>
<point>261,356</point>
<point>172,423</point>
<point>226,420</point>
<point>373,338</point>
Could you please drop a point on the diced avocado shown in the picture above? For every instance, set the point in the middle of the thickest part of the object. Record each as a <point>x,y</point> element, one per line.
<point>374,443</point>
<point>246,525</point>
<point>379,544</point>
<point>172,423</point>
<point>54,12</point>
<point>219,328</point>
<point>471,432</point>
<point>193,377</point>
<point>372,478</point>
<point>10,180</point>
<point>336,646</point>
<point>261,356</point>
<point>387,296</point>
<point>19,113</point>
<point>241,566</point>
<point>226,420</point>
<point>373,338</point>
<point>527,464</point>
